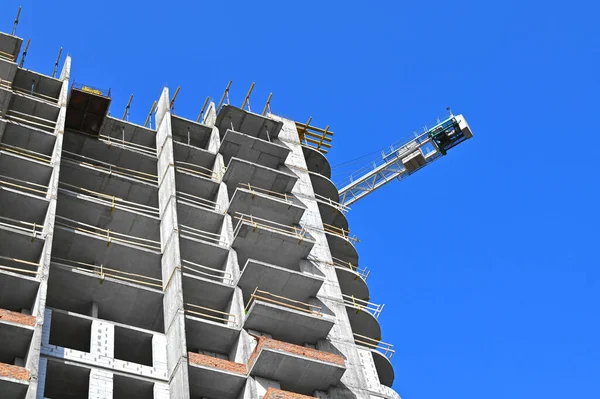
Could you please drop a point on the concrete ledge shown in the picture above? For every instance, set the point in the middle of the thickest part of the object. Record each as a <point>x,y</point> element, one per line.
<point>249,123</point>
<point>363,323</point>
<point>128,131</point>
<point>27,137</point>
<point>351,283</point>
<point>384,367</point>
<point>285,210</point>
<point>274,393</point>
<point>215,378</point>
<point>324,187</point>
<point>332,215</point>
<point>13,372</point>
<point>191,154</point>
<point>23,168</point>
<point>17,291</point>
<point>252,149</point>
<point>280,180</point>
<point>18,318</point>
<point>342,248</point>
<point>316,161</point>
<point>10,44</point>
<point>199,133</point>
<point>8,69</point>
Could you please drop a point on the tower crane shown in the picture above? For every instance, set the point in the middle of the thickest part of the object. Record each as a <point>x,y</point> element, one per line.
<point>406,157</point>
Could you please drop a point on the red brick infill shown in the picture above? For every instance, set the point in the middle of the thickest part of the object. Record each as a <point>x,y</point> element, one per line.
<point>10,371</point>
<point>274,393</point>
<point>14,317</point>
<point>214,362</point>
<point>264,342</point>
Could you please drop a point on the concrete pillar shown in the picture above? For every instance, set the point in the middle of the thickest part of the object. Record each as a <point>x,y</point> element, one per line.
<point>262,384</point>
<point>103,339</point>
<point>101,384</point>
<point>33,358</point>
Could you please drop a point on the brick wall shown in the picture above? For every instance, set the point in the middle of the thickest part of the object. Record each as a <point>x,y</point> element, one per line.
<point>264,342</point>
<point>274,393</point>
<point>222,364</point>
<point>14,317</point>
<point>10,371</point>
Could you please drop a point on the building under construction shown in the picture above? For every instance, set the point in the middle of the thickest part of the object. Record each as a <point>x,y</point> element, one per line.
<point>207,257</point>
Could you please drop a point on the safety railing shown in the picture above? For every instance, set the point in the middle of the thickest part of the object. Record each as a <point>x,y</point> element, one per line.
<point>34,229</point>
<point>32,155</point>
<point>35,95</point>
<point>198,201</point>
<point>328,201</point>
<point>104,271</point>
<point>196,170</point>
<point>210,314</point>
<point>108,235</point>
<point>257,190</point>
<point>111,141</point>
<point>105,199</point>
<point>18,265</point>
<point>208,272</point>
<point>92,90</point>
<point>19,184</point>
<point>7,56</point>
<point>260,295</point>
<point>337,231</point>
<point>363,272</point>
<point>202,235</point>
<point>5,84</point>
<point>362,305</point>
<point>110,169</point>
<point>386,349</point>
<point>31,120</point>
<point>258,223</point>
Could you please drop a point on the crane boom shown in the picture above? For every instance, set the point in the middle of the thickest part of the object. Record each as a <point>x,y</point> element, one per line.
<point>406,157</point>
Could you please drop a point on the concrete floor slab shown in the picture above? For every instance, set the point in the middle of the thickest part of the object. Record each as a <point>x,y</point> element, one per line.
<point>5,99</point>
<point>20,245</point>
<point>332,215</point>
<point>13,388</point>
<point>254,125</point>
<point>316,161</point>
<point>342,248</point>
<point>130,132</point>
<point>24,168</point>
<point>27,137</point>
<point>10,44</point>
<point>89,178</point>
<point>34,107</point>
<point>285,210</point>
<point>19,337</point>
<point>238,171</point>
<point>23,206</point>
<point>252,149</point>
<point>278,281</point>
<point>296,373</point>
<point>195,155</point>
<point>8,69</point>
<point>43,84</point>
<point>206,382</point>
<point>203,334</point>
<point>271,246</point>
<point>198,217</point>
<point>99,213</point>
<point>324,186</point>
<point>351,283</point>
<point>118,301</point>
<point>287,324</point>
<point>384,367</point>
<point>202,292</point>
<point>363,323</point>
<point>190,132</point>
<point>17,291</point>
<point>193,184</point>
<point>201,252</point>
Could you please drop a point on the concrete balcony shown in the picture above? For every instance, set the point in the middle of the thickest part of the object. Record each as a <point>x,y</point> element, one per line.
<point>33,111</point>
<point>22,165</point>
<point>8,69</point>
<point>10,46</point>
<point>316,161</point>
<point>196,181</point>
<point>123,293</point>
<point>240,171</point>
<point>100,177</point>
<point>382,357</point>
<point>22,241</point>
<point>37,85</point>
<point>363,317</point>
<point>211,377</point>
<point>16,330</point>
<point>297,368</point>
<point>210,323</point>
<point>279,208</point>
<point>286,319</point>
<point>189,154</point>
<point>17,290</point>
<point>324,187</point>
<point>18,201</point>
<point>118,131</point>
<point>191,133</point>
<point>29,138</point>
<point>14,381</point>
<point>341,244</point>
<point>266,241</point>
<point>352,279</point>
<point>252,149</point>
<point>234,118</point>
<point>332,213</point>
<point>203,247</point>
<point>278,280</point>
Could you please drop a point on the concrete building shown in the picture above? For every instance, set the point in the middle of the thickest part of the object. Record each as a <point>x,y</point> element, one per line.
<point>205,259</point>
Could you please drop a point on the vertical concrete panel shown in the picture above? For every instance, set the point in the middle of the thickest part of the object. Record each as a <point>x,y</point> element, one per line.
<point>101,384</point>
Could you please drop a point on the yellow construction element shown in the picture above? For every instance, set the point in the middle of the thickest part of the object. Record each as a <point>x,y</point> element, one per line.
<point>315,137</point>
<point>91,90</point>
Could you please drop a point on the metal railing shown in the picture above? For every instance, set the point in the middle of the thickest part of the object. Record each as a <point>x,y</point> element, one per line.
<point>92,90</point>
<point>110,169</point>
<point>256,222</point>
<point>34,229</point>
<point>196,170</point>
<point>107,234</point>
<point>383,347</point>
<point>337,231</point>
<point>7,56</point>
<point>33,155</point>
<point>283,301</point>
<point>122,143</point>
<point>104,271</point>
<point>35,95</point>
<point>202,235</point>
<point>199,201</point>
<point>210,314</point>
<point>18,265</point>
<point>35,188</point>
<point>360,305</point>
<point>208,272</point>
<point>328,201</point>
<point>362,272</point>
<point>110,200</point>
<point>257,190</point>
<point>5,84</point>
<point>31,120</point>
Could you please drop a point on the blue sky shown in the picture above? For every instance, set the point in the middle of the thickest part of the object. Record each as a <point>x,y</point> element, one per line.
<point>487,260</point>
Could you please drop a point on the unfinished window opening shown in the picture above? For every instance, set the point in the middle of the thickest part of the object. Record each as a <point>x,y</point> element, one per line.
<point>132,388</point>
<point>133,346</point>
<point>70,331</point>
<point>66,381</point>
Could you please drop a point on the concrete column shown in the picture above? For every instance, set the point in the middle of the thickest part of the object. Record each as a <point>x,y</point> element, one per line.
<point>174,316</point>
<point>33,359</point>
<point>101,384</point>
<point>262,384</point>
<point>103,339</point>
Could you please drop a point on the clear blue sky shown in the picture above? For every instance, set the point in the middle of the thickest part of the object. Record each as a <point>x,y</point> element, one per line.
<point>487,261</point>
